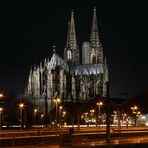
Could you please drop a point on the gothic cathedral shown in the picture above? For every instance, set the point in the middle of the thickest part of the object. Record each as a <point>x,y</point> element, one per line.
<point>70,78</point>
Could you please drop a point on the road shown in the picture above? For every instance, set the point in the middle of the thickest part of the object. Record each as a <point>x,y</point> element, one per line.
<point>130,141</point>
<point>85,137</point>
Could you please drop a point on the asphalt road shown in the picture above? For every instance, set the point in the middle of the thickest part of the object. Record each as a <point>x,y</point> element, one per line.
<point>140,141</point>
<point>135,136</point>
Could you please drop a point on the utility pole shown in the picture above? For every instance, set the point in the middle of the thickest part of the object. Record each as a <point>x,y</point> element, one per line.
<point>108,113</point>
<point>1,109</point>
<point>78,120</point>
<point>118,114</point>
<point>46,101</point>
<point>46,111</point>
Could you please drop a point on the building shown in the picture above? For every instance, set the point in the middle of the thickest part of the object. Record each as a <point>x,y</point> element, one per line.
<point>70,78</point>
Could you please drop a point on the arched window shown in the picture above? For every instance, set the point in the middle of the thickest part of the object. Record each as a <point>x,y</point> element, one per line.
<point>93,60</point>
<point>69,56</point>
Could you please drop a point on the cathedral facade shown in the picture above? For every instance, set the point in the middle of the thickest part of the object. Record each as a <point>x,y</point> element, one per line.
<point>69,77</point>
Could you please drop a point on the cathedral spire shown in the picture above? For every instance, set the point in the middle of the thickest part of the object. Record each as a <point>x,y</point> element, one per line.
<point>68,34</point>
<point>71,36</point>
<point>94,38</point>
<point>96,46</point>
<point>71,53</point>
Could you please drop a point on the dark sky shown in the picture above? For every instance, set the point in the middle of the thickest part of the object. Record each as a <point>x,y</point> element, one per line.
<point>28,29</point>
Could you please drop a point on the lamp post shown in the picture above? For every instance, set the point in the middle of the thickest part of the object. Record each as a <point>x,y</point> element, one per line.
<point>42,119</point>
<point>92,115</point>
<point>1,95</point>
<point>135,112</point>
<point>57,100</point>
<point>64,117</point>
<point>99,105</point>
<point>21,105</point>
<point>35,111</point>
<point>108,112</point>
<point>60,109</point>
<point>1,109</point>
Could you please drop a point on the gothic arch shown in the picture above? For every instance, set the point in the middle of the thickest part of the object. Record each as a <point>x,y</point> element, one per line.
<point>93,59</point>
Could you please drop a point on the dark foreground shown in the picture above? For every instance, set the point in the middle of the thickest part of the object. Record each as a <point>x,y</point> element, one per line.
<point>77,142</point>
<point>81,139</point>
<point>136,142</point>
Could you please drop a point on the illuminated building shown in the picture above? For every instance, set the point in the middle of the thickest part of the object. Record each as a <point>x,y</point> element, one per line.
<point>71,78</point>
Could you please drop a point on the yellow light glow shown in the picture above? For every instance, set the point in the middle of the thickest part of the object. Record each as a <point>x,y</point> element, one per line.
<point>1,95</point>
<point>1,109</point>
<point>100,103</point>
<point>35,110</point>
<point>57,100</point>
<point>92,111</point>
<point>135,107</point>
<point>64,112</point>
<point>21,105</point>
<point>60,107</point>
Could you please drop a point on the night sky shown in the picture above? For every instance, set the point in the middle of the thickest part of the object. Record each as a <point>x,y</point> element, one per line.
<point>29,29</point>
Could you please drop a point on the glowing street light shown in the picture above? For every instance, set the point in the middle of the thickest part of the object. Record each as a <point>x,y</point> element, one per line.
<point>21,106</point>
<point>57,100</point>
<point>92,115</point>
<point>136,112</point>
<point>35,111</point>
<point>134,109</point>
<point>99,105</point>
<point>64,117</point>
<point>1,95</point>
<point>42,119</point>
<point>60,109</point>
<point>1,109</point>
<point>92,111</point>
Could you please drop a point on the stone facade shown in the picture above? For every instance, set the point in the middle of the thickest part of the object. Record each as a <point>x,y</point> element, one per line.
<point>66,77</point>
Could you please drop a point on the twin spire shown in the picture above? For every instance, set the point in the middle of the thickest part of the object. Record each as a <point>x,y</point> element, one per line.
<point>72,53</point>
<point>71,35</point>
<point>94,38</point>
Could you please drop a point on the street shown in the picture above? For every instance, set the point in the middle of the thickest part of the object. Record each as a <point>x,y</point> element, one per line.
<point>84,137</point>
<point>101,143</point>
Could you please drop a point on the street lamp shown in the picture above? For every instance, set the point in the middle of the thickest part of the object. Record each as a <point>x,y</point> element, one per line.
<point>42,119</point>
<point>1,95</point>
<point>1,109</point>
<point>57,100</point>
<point>35,111</point>
<point>134,109</point>
<point>92,115</point>
<point>135,112</point>
<point>21,105</point>
<point>64,117</point>
<point>99,105</point>
<point>60,109</point>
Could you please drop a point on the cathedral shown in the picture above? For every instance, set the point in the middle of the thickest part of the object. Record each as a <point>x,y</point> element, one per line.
<point>79,76</point>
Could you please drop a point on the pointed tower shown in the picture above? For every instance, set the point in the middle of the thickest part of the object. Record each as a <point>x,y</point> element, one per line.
<point>96,54</point>
<point>71,52</point>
